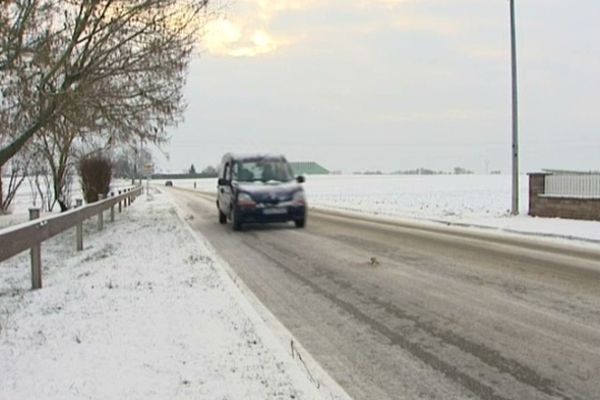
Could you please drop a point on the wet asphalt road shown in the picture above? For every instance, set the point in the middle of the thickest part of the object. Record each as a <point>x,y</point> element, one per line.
<point>394,313</point>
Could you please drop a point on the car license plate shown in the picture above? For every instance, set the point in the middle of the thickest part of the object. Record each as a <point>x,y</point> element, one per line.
<point>274,211</point>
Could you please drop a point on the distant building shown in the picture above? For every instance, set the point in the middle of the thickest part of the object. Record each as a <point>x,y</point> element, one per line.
<point>308,168</point>
<point>567,172</point>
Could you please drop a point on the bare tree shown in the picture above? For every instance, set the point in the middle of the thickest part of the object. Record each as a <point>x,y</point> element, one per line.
<point>16,175</point>
<point>40,182</point>
<point>56,146</point>
<point>106,67</point>
<point>122,166</point>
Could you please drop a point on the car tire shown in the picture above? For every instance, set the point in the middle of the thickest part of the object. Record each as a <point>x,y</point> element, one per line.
<point>300,223</point>
<point>235,220</point>
<point>222,218</point>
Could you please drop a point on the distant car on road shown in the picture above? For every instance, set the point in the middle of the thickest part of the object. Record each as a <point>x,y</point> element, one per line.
<point>259,188</point>
<point>169,183</point>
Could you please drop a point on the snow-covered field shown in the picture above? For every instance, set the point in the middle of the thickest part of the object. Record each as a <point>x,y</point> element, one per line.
<point>145,311</point>
<point>480,201</point>
<point>422,196</point>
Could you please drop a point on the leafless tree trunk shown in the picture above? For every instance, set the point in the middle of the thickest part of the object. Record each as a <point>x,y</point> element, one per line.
<point>40,184</point>
<point>18,171</point>
<point>56,146</point>
<point>1,191</point>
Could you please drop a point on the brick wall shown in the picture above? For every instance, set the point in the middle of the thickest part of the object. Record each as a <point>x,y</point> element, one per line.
<point>559,207</point>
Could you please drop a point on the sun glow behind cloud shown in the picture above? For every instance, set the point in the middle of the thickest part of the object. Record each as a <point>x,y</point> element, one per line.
<point>228,38</point>
<point>249,34</point>
<point>248,28</point>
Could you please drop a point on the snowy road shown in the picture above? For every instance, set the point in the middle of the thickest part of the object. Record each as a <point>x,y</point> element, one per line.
<point>432,317</point>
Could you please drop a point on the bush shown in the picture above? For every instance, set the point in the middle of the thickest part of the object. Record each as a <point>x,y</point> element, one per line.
<point>95,172</point>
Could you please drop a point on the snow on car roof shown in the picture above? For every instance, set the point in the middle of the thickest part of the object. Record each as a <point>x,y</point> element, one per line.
<point>255,156</point>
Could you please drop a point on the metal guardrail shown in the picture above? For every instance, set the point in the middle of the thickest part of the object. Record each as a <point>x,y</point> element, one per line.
<point>30,235</point>
<point>586,186</point>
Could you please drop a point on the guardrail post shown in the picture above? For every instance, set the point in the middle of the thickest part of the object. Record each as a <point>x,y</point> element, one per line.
<point>112,209</point>
<point>129,197</point>
<point>79,228</point>
<point>36,255</point>
<point>101,214</point>
<point>120,209</point>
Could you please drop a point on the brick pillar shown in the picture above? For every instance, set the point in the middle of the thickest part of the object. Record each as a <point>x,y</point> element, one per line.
<point>537,186</point>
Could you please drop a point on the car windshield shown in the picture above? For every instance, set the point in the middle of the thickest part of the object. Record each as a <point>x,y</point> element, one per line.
<point>262,170</point>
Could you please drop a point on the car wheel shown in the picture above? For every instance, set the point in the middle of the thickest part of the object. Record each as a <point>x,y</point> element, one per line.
<point>222,218</point>
<point>235,220</point>
<point>300,223</point>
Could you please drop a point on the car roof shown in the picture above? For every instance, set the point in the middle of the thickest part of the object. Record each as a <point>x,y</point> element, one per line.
<point>253,156</point>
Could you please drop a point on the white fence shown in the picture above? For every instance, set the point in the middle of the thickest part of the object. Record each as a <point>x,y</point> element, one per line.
<point>585,186</point>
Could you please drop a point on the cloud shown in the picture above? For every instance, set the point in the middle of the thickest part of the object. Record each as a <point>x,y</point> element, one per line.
<point>269,8</point>
<point>411,16</point>
<point>452,114</point>
<point>439,26</point>
<point>253,27</point>
<point>227,38</point>
<point>388,3</point>
<point>247,32</point>
<point>486,53</point>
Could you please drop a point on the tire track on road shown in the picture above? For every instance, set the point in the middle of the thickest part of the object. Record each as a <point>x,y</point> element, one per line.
<point>492,358</point>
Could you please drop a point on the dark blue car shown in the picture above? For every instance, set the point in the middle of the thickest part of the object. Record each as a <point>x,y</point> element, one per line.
<point>259,188</point>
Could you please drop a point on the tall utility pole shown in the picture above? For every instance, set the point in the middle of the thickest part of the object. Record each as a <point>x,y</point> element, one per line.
<point>515,114</point>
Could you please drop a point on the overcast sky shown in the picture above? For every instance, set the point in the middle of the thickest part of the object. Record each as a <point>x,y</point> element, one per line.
<point>395,84</point>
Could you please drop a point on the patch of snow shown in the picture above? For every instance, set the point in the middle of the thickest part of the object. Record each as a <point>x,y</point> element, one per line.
<point>143,312</point>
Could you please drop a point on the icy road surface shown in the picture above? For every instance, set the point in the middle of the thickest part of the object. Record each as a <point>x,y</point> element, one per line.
<point>394,313</point>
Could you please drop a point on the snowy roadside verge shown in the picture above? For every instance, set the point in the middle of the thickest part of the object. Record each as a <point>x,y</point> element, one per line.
<point>144,312</point>
<point>528,236</point>
<point>270,326</point>
<point>557,229</point>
